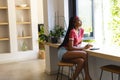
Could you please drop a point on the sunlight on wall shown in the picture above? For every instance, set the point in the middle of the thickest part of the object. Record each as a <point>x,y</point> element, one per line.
<point>98,17</point>
<point>106,20</point>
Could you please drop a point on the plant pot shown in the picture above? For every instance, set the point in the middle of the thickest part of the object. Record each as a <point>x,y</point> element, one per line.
<point>61,39</point>
<point>41,54</point>
<point>54,40</point>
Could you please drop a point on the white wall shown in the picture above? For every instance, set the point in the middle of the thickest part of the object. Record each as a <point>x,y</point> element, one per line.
<point>98,18</point>
<point>40,11</point>
<point>53,9</point>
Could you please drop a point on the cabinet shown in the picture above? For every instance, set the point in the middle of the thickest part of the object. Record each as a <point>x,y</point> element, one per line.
<point>23,24</point>
<point>4,28</point>
<point>18,28</point>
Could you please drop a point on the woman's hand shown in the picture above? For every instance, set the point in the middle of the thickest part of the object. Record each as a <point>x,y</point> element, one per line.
<point>88,46</point>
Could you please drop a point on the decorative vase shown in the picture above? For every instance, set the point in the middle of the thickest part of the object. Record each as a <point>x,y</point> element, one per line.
<point>24,46</point>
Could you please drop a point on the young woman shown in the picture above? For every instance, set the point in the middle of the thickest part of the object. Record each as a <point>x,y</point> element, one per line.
<point>69,51</point>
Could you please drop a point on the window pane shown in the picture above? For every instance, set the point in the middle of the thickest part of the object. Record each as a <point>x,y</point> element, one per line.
<point>84,11</point>
<point>112,22</point>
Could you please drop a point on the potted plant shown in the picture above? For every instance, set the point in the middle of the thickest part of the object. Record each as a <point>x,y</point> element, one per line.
<point>42,37</point>
<point>57,34</point>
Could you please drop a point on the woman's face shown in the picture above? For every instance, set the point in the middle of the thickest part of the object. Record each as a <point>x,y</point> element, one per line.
<point>78,23</point>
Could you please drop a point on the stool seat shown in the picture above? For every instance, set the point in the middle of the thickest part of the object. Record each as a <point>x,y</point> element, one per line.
<point>111,68</point>
<point>70,66</point>
<point>62,64</point>
<point>65,64</point>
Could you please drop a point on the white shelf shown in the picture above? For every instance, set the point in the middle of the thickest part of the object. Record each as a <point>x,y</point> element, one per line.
<point>2,39</point>
<point>23,22</point>
<point>22,8</point>
<point>3,23</point>
<point>26,37</point>
<point>3,8</point>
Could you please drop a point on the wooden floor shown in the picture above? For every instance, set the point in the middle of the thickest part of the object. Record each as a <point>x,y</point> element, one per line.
<point>26,70</point>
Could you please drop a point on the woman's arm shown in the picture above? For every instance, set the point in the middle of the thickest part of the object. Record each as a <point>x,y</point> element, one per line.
<point>72,47</point>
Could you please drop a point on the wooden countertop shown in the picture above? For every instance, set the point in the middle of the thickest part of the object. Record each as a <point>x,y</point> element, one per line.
<point>52,44</point>
<point>109,54</point>
<point>104,52</point>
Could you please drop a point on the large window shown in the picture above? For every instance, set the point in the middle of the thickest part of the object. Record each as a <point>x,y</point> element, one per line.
<point>101,21</point>
<point>111,12</point>
<point>84,9</point>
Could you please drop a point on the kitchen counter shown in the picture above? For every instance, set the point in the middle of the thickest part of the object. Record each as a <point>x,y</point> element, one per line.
<point>96,58</point>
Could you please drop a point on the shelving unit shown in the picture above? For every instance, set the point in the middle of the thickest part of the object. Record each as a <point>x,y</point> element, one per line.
<point>23,24</point>
<point>18,30</point>
<point>4,28</point>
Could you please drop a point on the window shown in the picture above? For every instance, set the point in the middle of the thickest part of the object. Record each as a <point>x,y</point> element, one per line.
<point>111,12</point>
<point>84,9</point>
<point>101,21</point>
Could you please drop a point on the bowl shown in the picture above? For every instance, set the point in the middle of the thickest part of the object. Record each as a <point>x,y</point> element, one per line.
<point>22,5</point>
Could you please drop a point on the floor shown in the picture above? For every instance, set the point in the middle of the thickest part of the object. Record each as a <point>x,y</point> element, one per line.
<point>26,70</point>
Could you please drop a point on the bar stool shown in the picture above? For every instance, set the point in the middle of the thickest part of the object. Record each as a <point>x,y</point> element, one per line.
<point>112,69</point>
<point>71,66</point>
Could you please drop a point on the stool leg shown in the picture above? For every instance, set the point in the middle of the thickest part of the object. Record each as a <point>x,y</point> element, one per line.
<point>112,75</point>
<point>101,74</point>
<point>118,76</point>
<point>69,72</point>
<point>61,72</point>
<point>72,71</point>
<point>82,75</point>
<point>58,73</point>
<point>78,77</point>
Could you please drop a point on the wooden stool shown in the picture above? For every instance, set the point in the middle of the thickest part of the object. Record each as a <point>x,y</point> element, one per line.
<point>61,65</point>
<point>112,69</point>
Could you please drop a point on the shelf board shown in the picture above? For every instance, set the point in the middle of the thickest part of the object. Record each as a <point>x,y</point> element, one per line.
<point>22,7</point>
<point>23,22</point>
<point>3,7</point>
<point>2,39</point>
<point>26,37</point>
<point>3,23</point>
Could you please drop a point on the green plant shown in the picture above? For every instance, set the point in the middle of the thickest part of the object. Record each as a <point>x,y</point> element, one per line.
<point>42,36</point>
<point>58,31</point>
<point>114,24</point>
<point>89,41</point>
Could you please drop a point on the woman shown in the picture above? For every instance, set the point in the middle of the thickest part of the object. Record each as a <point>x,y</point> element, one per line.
<point>69,51</point>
